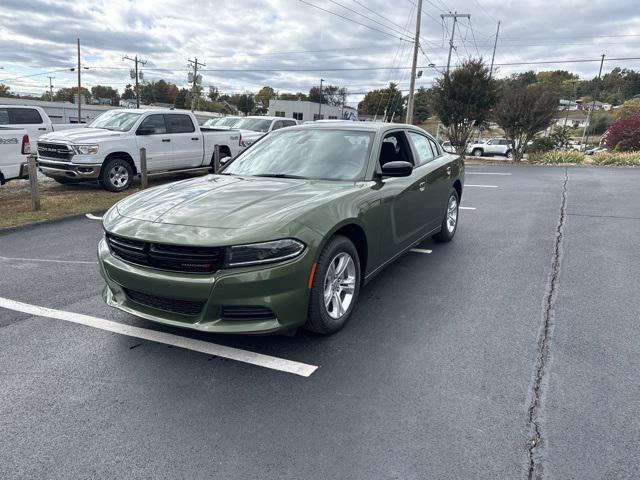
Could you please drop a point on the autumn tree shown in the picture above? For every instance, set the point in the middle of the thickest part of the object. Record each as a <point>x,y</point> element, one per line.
<point>102,91</point>
<point>264,95</point>
<point>523,111</point>
<point>463,99</point>
<point>624,135</point>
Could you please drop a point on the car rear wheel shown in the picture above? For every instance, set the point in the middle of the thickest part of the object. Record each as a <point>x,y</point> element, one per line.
<point>477,152</point>
<point>509,154</point>
<point>450,220</point>
<point>335,287</point>
<point>116,175</point>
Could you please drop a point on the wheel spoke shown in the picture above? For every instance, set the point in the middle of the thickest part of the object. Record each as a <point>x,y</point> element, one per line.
<point>338,302</point>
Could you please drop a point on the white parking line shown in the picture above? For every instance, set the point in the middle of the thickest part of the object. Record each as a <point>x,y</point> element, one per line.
<point>91,216</point>
<point>485,173</point>
<point>467,208</point>
<point>46,260</point>
<point>244,356</point>
<point>481,186</point>
<point>420,250</point>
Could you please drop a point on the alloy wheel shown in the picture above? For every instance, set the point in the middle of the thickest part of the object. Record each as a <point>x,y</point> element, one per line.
<point>452,214</point>
<point>339,285</point>
<point>118,176</point>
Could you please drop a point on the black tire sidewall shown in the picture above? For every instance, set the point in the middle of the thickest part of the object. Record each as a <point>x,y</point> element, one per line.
<point>319,320</point>
<point>476,152</point>
<point>444,235</point>
<point>105,181</point>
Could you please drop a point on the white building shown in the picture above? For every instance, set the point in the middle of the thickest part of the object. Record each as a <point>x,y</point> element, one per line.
<point>304,111</point>
<point>61,112</point>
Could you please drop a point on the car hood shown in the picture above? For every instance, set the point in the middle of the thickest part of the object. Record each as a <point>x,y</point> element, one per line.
<point>81,135</point>
<point>230,202</point>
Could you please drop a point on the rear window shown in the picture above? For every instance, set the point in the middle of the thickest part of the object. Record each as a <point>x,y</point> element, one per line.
<point>179,124</point>
<point>19,116</point>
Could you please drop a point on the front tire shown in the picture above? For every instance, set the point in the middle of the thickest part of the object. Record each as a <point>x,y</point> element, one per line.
<point>335,287</point>
<point>477,152</point>
<point>116,175</point>
<point>450,220</point>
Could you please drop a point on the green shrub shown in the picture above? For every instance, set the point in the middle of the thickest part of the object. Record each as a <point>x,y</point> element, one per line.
<point>631,159</point>
<point>541,144</point>
<point>556,157</point>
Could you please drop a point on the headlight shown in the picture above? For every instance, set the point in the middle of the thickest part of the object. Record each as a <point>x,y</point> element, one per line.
<point>260,253</point>
<point>86,149</point>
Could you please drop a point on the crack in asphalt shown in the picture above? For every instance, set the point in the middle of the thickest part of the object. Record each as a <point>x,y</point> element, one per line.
<point>535,464</point>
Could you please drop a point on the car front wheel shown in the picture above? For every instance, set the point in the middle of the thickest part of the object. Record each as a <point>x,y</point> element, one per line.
<point>116,175</point>
<point>450,220</point>
<point>477,152</point>
<point>335,287</point>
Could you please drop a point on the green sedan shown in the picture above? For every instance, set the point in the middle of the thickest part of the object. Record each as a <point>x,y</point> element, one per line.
<point>286,234</point>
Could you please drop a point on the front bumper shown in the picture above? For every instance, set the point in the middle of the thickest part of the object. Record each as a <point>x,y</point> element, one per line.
<point>56,168</point>
<point>280,288</point>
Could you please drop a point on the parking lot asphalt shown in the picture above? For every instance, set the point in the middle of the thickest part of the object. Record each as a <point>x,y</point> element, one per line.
<point>511,352</point>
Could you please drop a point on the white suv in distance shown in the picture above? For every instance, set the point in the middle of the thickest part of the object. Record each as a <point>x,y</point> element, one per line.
<point>495,146</point>
<point>255,127</point>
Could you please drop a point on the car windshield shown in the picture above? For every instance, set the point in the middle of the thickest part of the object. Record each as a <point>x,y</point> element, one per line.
<point>255,124</point>
<point>315,154</point>
<point>228,122</point>
<point>118,120</point>
<point>211,122</point>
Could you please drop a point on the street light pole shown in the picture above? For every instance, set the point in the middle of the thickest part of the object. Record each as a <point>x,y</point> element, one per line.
<point>320,104</point>
<point>495,44</point>
<point>593,105</point>
<point>412,82</point>
<point>79,86</point>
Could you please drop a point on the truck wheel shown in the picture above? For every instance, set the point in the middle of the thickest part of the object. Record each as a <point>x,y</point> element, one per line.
<point>116,175</point>
<point>335,287</point>
<point>477,152</point>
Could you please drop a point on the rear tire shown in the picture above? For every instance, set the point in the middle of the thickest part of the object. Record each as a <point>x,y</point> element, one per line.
<point>335,287</point>
<point>450,220</point>
<point>116,175</point>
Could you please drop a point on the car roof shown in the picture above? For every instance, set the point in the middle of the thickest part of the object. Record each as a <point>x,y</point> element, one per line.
<point>358,126</point>
<point>266,117</point>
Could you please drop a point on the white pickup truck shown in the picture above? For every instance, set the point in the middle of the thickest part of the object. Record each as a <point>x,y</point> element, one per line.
<point>108,149</point>
<point>14,148</point>
<point>33,119</point>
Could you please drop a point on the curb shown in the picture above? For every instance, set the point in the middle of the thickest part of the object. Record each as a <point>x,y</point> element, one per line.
<point>30,225</point>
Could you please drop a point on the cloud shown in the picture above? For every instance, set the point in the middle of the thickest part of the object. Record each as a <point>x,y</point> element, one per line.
<point>254,35</point>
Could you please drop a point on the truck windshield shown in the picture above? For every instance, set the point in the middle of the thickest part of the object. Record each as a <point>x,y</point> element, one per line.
<point>255,124</point>
<point>315,154</point>
<point>118,120</point>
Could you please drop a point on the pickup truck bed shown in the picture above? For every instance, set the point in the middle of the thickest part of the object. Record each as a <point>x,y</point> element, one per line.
<point>14,148</point>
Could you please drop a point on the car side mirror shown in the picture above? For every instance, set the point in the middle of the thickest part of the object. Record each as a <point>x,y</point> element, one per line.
<point>397,169</point>
<point>144,131</point>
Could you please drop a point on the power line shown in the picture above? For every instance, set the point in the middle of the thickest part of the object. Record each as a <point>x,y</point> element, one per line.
<point>353,21</point>
<point>362,15</point>
<point>377,14</point>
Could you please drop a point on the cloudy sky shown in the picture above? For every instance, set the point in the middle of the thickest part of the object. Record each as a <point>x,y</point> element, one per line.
<point>250,43</point>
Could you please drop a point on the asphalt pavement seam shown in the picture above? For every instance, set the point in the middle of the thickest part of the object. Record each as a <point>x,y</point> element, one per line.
<point>535,463</point>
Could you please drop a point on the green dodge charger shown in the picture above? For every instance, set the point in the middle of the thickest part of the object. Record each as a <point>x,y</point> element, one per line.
<point>286,234</point>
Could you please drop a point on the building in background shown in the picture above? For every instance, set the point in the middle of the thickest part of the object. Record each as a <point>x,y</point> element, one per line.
<point>304,111</point>
<point>61,112</point>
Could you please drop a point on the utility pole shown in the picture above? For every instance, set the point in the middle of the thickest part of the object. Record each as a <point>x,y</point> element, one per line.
<point>495,44</point>
<point>320,104</point>
<point>195,64</point>
<point>51,89</point>
<point>455,16</point>
<point>136,61</point>
<point>412,82</point>
<point>593,105</point>
<point>79,86</point>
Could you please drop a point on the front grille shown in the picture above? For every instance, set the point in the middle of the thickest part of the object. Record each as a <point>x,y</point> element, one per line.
<point>241,313</point>
<point>173,258</point>
<point>181,307</point>
<point>54,150</point>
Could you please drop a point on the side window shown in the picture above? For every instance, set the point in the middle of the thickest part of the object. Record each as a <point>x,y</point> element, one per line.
<point>289,123</point>
<point>437,151</point>
<point>504,142</point>
<point>277,125</point>
<point>179,124</point>
<point>24,116</point>
<point>422,146</point>
<point>4,116</point>
<point>154,124</point>
<point>395,148</point>
<point>493,142</point>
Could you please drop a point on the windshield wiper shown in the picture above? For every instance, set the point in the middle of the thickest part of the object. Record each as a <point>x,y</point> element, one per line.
<point>280,175</point>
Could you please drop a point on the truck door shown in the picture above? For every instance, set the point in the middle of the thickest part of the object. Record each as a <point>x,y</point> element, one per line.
<point>152,135</point>
<point>27,118</point>
<point>187,144</point>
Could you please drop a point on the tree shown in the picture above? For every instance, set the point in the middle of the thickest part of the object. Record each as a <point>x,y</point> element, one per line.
<point>601,122</point>
<point>213,94</point>
<point>101,91</point>
<point>293,96</point>
<point>624,135</point>
<point>158,92</point>
<point>246,103</point>
<point>422,104</point>
<point>5,90</point>
<point>264,95</point>
<point>561,136</point>
<point>331,95</point>
<point>387,102</point>
<point>128,93</point>
<point>524,111</point>
<point>463,99</point>
<point>628,108</point>
<point>67,94</point>
<point>183,99</point>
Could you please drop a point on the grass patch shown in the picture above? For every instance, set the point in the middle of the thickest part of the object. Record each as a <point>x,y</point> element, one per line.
<point>59,201</point>
<point>627,159</point>
<point>556,157</point>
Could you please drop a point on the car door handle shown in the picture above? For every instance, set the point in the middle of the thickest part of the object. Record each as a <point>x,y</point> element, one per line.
<point>422,186</point>
<point>41,128</point>
<point>166,139</point>
<point>195,139</point>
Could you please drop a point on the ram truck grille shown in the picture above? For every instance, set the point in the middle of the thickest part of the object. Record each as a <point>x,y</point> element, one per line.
<point>55,151</point>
